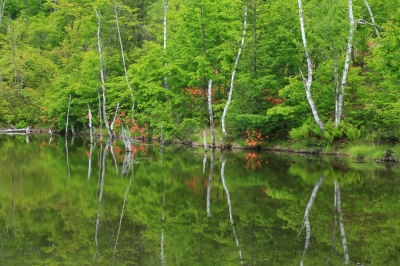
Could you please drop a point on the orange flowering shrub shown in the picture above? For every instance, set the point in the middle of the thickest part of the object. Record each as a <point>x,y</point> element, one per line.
<point>254,138</point>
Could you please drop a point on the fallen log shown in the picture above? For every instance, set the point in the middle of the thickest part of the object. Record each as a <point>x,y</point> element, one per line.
<point>15,131</point>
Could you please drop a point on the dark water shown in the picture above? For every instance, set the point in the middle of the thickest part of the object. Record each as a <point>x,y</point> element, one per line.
<point>80,205</point>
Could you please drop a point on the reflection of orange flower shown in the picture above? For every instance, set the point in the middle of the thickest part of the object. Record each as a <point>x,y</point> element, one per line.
<point>88,154</point>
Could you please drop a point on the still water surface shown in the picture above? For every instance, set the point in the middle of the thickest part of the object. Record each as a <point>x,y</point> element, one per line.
<point>65,202</point>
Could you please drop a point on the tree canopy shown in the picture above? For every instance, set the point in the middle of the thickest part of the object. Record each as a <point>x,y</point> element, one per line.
<point>48,51</point>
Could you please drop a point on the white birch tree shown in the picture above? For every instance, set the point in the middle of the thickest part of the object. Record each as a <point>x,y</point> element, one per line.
<point>123,60</point>
<point>165,38</point>
<point>103,87</point>
<point>308,81</point>
<point>234,72</point>
<point>339,100</point>
<point>211,113</point>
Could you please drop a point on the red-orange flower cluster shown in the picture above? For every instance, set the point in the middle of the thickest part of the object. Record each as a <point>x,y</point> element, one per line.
<point>254,138</point>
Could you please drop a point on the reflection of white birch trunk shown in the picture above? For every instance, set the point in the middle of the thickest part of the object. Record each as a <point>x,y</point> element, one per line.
<point>103,87</point>
<point>123,59</point>
<point>210,178</point>
<point>234,72</point>
<point>127,142</point>
<point>210,112</point>
<point>103,171</point>
<point>113,155</point>
<point>228,197</point>
<point>66,150</point>
<point>308,81</point>
<point>165,38</point>
<point>341,223</point>
<point>122,215</point>
<point>90,161</point>
<point>339,105</point>
<point>306,222</point>
<point>162,235</point>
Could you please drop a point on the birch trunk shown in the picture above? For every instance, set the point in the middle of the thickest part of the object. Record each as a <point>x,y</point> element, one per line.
<point>66,126</point>
<point>372,19</point>
<point>234,72</point>
<point>123,60</point>
<point>165,38</point>
<point>339,104</point>
<point>211,114</point>
<point>113,121</point>
<point>2,5</point>
<point>90,124</point>
<point>100,116</point>
<point>205,140</point>
<point>308,81</point>
<point>103,87</point>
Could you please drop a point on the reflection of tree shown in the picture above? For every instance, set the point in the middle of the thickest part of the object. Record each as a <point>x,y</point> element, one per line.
<point>122,214</point>
<point>228,197</point>
<point>338,205</point>
<point>101,177</point>
<point>210,177</point>
<point>306,222</point>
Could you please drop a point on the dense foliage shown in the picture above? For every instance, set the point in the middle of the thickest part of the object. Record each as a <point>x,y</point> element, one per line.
<point>48,51</point>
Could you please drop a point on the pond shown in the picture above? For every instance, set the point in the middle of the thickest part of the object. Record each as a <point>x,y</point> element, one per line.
<point>66,202</point>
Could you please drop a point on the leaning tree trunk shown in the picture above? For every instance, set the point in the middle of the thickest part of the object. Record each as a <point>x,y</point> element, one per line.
<point>103,87</point>
<point>123,60</point>
<point>339,104</point>
<point>234,72</point>
<point>308,81</point>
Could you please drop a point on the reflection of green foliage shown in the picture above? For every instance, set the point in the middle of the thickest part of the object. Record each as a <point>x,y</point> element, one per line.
<point>53,215</point>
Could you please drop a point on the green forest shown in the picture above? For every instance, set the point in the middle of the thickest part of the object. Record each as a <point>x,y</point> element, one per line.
<point>154,59</point>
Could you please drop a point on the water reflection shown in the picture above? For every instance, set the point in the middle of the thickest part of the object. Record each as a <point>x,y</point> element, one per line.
<point>187,208</point>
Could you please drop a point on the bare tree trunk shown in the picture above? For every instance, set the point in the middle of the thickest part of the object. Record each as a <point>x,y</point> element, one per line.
<point>26,12</point>
<point>255,39</point>
<point>234,72</point>
<point>372,19</point>
<point>211,114</point>
<point>123,60</point>
<point>165,38</point>
<point>100,116</point>
<point>308,81</point>
<point>338,111</point>
<point>205,140</point>
<point>90,124</point>
<point>103,87</point>
<point>113,121</point>
<point>66,126</point>
<point>2,5</point>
